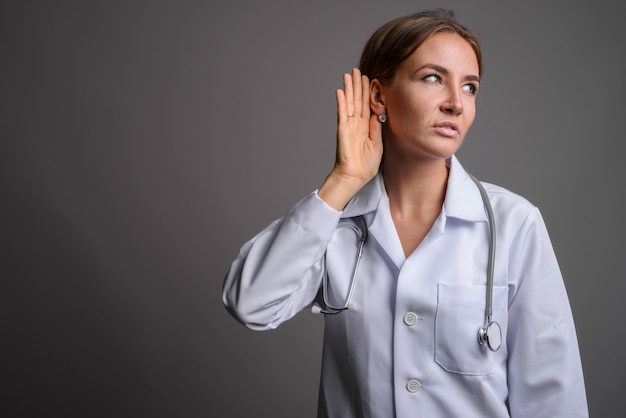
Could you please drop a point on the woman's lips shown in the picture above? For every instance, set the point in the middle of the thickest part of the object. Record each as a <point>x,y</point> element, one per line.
<point>447,129</point>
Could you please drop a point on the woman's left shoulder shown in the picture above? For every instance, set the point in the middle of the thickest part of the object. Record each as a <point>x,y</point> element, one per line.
<point>508,204</point>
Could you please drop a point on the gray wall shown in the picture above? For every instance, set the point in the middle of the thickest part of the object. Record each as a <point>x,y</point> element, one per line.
<point>144,142</point>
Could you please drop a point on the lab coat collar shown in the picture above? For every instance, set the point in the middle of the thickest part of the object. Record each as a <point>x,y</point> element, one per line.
<point>367,199</point>
<point>462,201</point>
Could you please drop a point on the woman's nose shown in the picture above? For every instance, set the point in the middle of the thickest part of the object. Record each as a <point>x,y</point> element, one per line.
<point>452,103</point>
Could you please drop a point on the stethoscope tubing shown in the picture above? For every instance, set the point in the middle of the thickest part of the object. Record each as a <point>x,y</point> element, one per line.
<point>492,248</point>
<point>489,334</point>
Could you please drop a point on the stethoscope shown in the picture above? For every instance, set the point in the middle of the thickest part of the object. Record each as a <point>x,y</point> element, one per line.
<point>489,334</point>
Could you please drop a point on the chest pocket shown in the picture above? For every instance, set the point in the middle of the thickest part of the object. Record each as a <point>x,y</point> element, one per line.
<point>460,314</point>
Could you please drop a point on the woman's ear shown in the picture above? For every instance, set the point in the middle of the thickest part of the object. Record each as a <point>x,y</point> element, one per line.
<point>377,99</point>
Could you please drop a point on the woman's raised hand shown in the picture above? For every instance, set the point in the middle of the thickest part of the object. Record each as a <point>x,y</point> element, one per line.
<point>359,142</point>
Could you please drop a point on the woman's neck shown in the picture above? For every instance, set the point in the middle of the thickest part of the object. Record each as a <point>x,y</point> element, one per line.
<point>415,186</point>
<point>416,191</point>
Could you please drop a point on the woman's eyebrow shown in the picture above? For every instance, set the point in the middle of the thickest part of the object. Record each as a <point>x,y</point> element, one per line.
<point>445,71</point>
<point>435,67</point>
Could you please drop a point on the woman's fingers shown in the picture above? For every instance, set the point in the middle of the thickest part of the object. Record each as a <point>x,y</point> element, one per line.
<point>354,97</point>
<point>341,106</point>
<point>365,97</point>
<point>349,94</point>
<point>356,92</point>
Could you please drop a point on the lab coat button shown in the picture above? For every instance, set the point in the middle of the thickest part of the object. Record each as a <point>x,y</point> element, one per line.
<point>413,385</point>
<point>410,318</point>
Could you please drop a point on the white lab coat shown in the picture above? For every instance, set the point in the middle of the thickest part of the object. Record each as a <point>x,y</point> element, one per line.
<point>408,347</point>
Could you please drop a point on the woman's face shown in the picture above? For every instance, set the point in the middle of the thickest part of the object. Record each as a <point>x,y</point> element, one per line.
<point>431,101</point>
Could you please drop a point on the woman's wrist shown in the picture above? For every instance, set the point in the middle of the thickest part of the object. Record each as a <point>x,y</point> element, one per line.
<point>337,190</point>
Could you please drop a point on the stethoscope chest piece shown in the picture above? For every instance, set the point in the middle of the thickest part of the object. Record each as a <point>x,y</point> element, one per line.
<point>491,335</point>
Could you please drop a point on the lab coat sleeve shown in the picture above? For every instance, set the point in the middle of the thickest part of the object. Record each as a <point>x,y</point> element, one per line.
<point>544,367</point>
<point>279,271</point>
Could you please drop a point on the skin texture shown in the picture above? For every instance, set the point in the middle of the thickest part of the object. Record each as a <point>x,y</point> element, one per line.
<point>430,105</point>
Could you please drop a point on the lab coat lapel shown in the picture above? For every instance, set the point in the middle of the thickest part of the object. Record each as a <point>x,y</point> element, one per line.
<point>382,228</point>
<point>462,201</point>
<point>372,201</point>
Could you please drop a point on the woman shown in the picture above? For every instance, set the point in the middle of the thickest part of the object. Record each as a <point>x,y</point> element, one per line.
<point>402,323</point>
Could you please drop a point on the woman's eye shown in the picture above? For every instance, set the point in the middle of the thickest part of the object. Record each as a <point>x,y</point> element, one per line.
<point>432,78</point>
<point>470,88</point>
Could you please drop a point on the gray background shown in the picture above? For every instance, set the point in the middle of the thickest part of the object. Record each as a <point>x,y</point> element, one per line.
<point>144,142</point>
